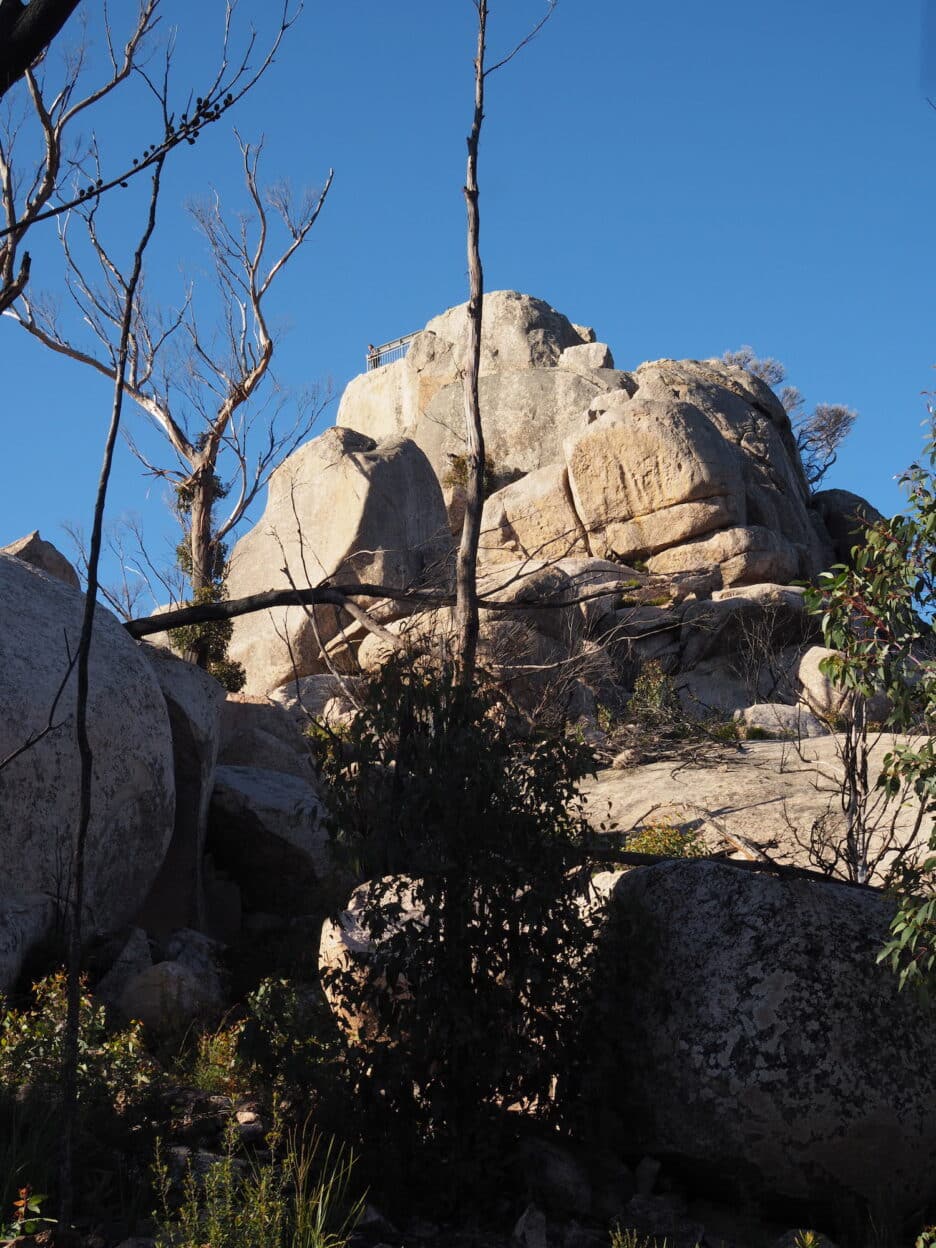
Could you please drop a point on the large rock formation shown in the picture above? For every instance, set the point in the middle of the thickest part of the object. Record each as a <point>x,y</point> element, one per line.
<point>783,800</point>
<point>686,471</point>
<point>843,515</point>
<point>133,801</point>
<point>268,832</point>
<point>748,1032</point>
<point>518,333</point>
<point>341,507</point>
<point>622,465</point>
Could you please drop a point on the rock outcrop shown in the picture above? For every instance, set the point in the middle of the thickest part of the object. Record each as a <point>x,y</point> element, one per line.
<point>43,555</point>
<point>133,805</point>
<point>619,465</point>
<point>770,796</point>
<point>682,474</point>
<point>343,508</point>
<point>267,831</point>
<point>748,1032</point>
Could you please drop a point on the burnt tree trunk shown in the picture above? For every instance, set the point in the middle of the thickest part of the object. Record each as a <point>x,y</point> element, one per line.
<point>466,584</point>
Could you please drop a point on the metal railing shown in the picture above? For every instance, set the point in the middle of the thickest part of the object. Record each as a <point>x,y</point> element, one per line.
<point>388,352</point>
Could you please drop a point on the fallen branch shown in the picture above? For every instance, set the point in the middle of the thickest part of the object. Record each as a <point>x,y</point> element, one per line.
<point>337,596</point>
<point>630,858</point>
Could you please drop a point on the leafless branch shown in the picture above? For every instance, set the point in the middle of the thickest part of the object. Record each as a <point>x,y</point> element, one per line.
<point>505,60</point>
<point>50,725</point>
<point>55,120</point>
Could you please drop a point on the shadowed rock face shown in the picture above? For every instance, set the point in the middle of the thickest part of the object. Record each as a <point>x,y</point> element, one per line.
<point>133,802</point>
<point>748,1032</point>
<point>194,701</point>
<point>842,513</point>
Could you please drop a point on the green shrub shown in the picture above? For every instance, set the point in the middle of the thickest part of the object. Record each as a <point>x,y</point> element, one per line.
<point>215,1064</point>
<point>473,1001</point>
<point>664,839</point>
<point>297,1197</point>
<point>27,1217</point>
<point>29,1136</point>
<point>115,1074</point>
<point>654,700</point>
<point>290,1036</point>
<point>112,1064</point>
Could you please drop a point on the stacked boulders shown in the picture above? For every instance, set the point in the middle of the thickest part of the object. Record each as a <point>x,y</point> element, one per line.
<point>677,487</point>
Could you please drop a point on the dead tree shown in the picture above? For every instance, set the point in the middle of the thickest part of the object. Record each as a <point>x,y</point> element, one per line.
<point>59,171</point>
<point>200,396</point>
<point>466,576</point>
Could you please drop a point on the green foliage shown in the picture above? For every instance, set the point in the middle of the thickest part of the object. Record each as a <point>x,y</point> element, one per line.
<point>27,1217</point>
<point>289,1035</point>
<point>211,640</point>
<point>663,838</point>
<point>114,1076</point>
<point>112,1065</point>
<point>456,476</point>
<point>627,1237</point>
<point>473,840</point>
<point>297,1197</point>
<point>29,1134</point>
<point>926,1238</point>
<point>878,615</point>
<point>215,1065</point>
<point>654,700</point>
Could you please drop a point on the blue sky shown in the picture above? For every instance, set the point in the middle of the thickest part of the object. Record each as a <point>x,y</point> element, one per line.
<point>685,178</point>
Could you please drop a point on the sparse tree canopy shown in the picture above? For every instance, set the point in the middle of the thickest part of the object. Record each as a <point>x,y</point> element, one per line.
<point>819,436</point>
<point>200,396</point>
<point>819,433</point>
<point>768,369</point>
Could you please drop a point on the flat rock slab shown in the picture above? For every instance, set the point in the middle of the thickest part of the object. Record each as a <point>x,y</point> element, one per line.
<point>769,794</point>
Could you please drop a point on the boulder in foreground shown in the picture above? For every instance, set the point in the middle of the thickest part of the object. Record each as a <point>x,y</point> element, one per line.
<point>749,1034</point>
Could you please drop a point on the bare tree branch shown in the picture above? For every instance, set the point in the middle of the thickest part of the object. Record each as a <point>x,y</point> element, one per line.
<point>232,79</point>
<point>339,596</point>
<point>505,60</point>
<point>218,378</point>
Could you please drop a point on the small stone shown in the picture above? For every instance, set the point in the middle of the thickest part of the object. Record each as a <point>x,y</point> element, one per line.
<point>645,1176</point>
<point>530,1231</point>
<point>626,759</point>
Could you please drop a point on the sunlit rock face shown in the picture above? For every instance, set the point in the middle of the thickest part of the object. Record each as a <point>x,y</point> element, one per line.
<point>133,794</point>
<point>344,507</point>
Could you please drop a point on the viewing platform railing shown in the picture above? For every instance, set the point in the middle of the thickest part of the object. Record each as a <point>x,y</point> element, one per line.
<point>388,352</point>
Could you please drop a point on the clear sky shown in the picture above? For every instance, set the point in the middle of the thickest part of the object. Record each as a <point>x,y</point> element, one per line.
<point>687,178</point>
